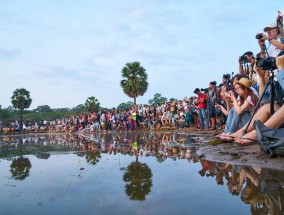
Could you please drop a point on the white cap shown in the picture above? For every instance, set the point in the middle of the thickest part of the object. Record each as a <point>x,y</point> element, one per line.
<point>281,12</point>
<point>272,25</point>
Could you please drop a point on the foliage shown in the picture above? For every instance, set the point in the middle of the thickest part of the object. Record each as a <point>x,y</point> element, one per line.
<point>43,108</point>
<point>134,82</point>
<point>158,99</point>
<point>79,109</point>
<point>4,114</point>
<point>173,99</point>
<point>125,106</point>
<point>92,104</point>
<point>21,99</point>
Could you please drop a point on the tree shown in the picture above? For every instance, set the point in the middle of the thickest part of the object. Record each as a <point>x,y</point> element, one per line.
<point>134,82</point>
<point>92,104</point>
<point>21,100</point>
<point>124,106</point>
<point>43,108</point>
<point>173,99</point>
<point>79,109</point>
<point>158,99</point>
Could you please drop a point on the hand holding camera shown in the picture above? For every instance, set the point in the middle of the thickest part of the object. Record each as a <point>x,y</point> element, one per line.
<point>261,37</point>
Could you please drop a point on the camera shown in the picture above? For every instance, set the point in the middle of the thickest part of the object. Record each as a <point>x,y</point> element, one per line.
<point>227,76</point>
<point>258,36</point>
<point>204,90</point>
<point>267,63</point>
<point>243,58</point>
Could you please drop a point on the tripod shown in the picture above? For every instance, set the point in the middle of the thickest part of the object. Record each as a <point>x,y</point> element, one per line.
<point>272,85</point>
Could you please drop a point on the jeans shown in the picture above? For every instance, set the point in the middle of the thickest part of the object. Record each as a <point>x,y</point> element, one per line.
<point>280,78</point>
<point>203,118</point>
<point>235,121</point>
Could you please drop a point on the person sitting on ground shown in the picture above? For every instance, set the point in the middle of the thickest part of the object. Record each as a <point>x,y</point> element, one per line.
<point>239,115</point>
<point>263,114</point>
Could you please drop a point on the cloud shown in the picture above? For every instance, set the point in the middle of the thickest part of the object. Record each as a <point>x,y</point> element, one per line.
<point>9,54</point>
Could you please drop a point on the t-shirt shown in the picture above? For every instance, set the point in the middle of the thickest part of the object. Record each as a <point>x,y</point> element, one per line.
<point>202,96</point>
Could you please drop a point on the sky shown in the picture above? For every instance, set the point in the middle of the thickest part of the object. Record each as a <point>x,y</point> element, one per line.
<point>65,51</point>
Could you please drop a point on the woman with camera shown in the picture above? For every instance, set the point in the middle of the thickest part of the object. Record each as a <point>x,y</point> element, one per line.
<point>239,114</point>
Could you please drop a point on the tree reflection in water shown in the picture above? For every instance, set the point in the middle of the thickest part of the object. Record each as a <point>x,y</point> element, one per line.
<point>20,167</point>
<point>138,178</point>
<point>92,157</point>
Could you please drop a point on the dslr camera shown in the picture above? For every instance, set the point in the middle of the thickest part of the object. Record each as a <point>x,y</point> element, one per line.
<point>204,90</point>
<point>227,76</point>
<point>258,36</point>
<point>243,58</point>
<point>267,63</point>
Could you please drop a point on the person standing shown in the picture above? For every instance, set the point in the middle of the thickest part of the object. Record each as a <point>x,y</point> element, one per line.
<point>201,104</point>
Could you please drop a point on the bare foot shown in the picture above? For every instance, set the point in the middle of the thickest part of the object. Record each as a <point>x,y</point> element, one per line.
<point>247,138</point>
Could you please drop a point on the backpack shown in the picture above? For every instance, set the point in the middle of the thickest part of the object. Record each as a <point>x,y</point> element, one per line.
<point>270,140</point>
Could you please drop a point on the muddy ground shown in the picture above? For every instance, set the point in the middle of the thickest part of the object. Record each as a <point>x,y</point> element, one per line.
<point>234,153</point>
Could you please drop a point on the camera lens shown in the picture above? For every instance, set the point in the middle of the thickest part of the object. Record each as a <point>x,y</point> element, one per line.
<point>258,36</point>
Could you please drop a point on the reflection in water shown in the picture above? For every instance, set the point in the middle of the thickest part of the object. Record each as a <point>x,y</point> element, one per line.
<point>138,178</point>
<point>260,188</point>
<point>20,168</point>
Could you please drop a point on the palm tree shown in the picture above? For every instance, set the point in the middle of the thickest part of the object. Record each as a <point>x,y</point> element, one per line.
<point>21,100</point>
<point>92,104</point>
<point>135,82</point>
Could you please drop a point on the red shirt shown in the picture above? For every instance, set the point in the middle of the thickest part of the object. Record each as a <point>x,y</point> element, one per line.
<point>202,96</point>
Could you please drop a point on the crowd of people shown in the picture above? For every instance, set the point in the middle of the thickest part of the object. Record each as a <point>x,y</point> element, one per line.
<point>233,105</point>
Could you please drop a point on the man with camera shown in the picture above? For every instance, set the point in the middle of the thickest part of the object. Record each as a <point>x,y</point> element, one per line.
<point>201,105</point>
<point>274,32</point>
<point>246,58</point>
<point>213,98</point>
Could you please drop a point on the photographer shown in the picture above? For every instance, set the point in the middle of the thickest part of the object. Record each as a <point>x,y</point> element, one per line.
<point>273,36</point>
<point>263,114</point>
<point>246,58</point>
<point>213,98</point>
<point>201,104</point>
<point>239,115</point>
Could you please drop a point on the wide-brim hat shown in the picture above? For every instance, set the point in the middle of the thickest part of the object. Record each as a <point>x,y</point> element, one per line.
<point>245,82</point>
<point>270,26</point>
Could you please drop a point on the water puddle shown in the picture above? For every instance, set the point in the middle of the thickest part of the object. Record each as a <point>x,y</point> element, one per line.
<point>135,173</point>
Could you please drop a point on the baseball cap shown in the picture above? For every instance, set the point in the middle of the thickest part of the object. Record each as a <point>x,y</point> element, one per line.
<point>272,25</point>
